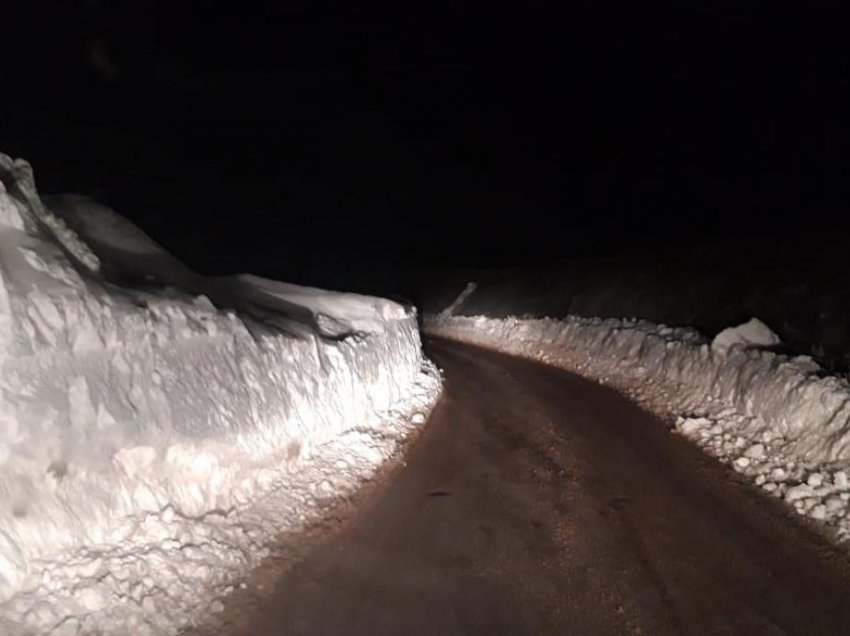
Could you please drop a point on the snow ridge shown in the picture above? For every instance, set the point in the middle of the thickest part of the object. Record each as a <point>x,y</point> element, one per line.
<point>152,444</point>
<point>778,419</point>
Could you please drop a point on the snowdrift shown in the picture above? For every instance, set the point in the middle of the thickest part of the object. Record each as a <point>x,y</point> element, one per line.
<point>151,442</point>
<point>776,418</point>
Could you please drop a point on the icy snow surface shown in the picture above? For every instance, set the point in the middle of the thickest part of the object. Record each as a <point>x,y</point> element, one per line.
<point>774,418</point>
<point>151,443</point>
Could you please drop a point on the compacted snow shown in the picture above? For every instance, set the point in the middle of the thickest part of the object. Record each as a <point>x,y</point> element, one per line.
<point>779,419</point>
<point>159,429</point>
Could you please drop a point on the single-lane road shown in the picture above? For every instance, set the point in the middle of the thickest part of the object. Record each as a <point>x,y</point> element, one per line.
<point>537,502</point>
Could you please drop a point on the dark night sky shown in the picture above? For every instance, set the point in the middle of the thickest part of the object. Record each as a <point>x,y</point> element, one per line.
<point>282,138</point>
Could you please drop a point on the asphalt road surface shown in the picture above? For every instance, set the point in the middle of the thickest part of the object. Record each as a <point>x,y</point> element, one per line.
<point>537,502</point>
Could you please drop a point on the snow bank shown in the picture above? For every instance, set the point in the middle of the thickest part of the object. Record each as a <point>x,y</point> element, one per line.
<point>775,418</point>
<point>152,444</point>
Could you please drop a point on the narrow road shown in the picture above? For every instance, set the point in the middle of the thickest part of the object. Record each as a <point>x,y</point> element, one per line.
<point>537,502</point>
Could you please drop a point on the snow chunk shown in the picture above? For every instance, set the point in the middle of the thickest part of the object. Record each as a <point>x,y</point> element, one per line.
<point>815,480</point>
<point>800,491</point>
<point>742,462</point>
<point>690,425</point>
<point>753,333</point>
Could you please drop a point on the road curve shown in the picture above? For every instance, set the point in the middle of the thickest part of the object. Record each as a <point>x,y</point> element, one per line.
<point>537,502</point>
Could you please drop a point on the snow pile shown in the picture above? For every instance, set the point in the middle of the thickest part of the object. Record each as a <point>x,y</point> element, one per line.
<point>152,444</point>
<point>775,418</point>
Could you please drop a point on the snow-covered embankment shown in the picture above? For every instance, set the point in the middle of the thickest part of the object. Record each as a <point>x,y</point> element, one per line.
<point>152,444</point>
<point>775,418</point>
